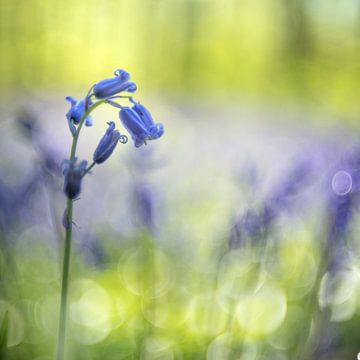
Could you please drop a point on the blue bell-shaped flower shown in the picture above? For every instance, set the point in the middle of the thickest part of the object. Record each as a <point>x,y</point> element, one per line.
<point>139,123</point>
<point>110,87</point>
<point>107,144</point>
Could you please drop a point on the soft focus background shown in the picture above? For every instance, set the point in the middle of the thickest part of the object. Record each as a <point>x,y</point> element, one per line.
<point>235,235</point>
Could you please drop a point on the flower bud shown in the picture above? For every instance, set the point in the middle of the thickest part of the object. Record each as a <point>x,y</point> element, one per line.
<point>73,173</point>
<point>107,144</point>
<point>76,112</point>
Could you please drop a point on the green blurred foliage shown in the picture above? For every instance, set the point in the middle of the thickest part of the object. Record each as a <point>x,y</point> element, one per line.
<point>298,51</point>
<point>151,303</point>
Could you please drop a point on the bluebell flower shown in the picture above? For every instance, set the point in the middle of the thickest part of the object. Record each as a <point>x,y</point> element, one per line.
<point>140,124</point>
<point>73,173</point>
<point>155,130</point>
<point>107,144</point>
<point>109,87</point>
<point>248,227</point>
<point>76,112</point>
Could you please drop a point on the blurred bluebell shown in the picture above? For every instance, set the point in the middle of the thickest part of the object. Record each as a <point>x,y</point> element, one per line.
<point>236,238</point>
<point>139,123</point>
<point>76,112</point>
<point>252,223</point>
<point>49,157</point>
<point>341,202</point>
<point>343,187</point>
<point>27,123</point>
<point>246,228</point>
<point>73,173</point>
<point>283,195</point>
<point>144,205</point>
<point>341,206</point>
<point>110,87</point>
<point>107,144</point>
<point>248,175</point>
<point>7,211</point>
<point>16,201</point>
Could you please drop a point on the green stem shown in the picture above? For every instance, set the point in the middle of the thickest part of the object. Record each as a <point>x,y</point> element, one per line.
<point>65,282</point>
<point>89,168</point>
<point>67,245</point>
<point>76,136</point>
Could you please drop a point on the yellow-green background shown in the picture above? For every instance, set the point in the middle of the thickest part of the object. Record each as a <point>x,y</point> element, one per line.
<point>282,51</point>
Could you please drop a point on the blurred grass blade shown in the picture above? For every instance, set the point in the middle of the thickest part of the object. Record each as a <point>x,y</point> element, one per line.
<point>4,334</point>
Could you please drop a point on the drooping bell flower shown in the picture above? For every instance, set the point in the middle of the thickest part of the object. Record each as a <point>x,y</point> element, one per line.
<point>155,130</point>
<point>139,123</point>
<point>107,144</point>
<point>110,87</point>
<point>73,173</point>
<point>76,112</point>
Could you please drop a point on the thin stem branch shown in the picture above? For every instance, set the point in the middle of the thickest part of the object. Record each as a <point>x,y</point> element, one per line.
<point>76,136</point>
<point>89,168</point>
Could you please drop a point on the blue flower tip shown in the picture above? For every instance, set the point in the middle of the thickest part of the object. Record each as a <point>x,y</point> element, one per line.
<point>124,75</point>
<point>71,100</point>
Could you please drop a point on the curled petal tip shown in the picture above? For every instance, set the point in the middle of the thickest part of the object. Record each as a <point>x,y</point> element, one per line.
<point>132,87</point>
<point>124,75</point>
<point>71,100</point>
<point>110,87</point>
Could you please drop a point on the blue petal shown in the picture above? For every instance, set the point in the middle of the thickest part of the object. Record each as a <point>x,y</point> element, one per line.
<point>122,74</point>
<point>89,121</point>
<point>144,113</point>
<point>71,100</point>
<point>156,131</point>
<point>132,122</point>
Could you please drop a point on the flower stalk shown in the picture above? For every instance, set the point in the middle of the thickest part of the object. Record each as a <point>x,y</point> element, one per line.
<point>79,114</point>
<point>67,245</point>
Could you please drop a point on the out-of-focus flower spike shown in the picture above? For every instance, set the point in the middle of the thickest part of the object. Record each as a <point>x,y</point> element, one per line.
<point>145,200</point>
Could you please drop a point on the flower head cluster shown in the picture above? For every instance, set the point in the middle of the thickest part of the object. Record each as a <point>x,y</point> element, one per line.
<point>136,119</point>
